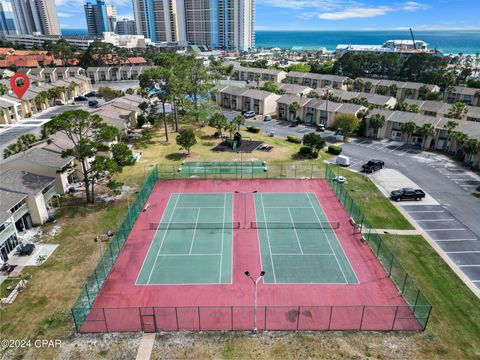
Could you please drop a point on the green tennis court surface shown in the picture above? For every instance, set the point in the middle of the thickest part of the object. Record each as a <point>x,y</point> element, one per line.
<point>298,244</point>
<point>224,163</point>
<point>192,244</point>
<point>223,167</point>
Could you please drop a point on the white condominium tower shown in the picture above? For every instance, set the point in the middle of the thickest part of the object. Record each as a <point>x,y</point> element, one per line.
<point>36,16</point>
<point>218,24</point>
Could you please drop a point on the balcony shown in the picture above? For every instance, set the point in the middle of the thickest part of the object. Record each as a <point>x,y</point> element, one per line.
<point>49,194</point>
<point>22,210</point>
<point>6,233</point>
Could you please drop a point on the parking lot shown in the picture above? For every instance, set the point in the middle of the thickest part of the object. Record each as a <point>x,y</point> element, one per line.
<point>453,237</point>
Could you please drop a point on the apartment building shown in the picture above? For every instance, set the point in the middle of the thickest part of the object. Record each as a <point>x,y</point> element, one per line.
<point>400,90</point>
<point>469,96</point>
<point>244,99</point>
<point>218,24</point>
<point>250,74</point>
<point>97,19</point>
<point>317,80</point>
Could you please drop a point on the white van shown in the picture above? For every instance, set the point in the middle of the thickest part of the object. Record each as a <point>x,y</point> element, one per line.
<point>343,160</point>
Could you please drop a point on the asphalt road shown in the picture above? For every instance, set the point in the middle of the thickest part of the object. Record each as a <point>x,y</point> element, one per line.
<point>447,181</point>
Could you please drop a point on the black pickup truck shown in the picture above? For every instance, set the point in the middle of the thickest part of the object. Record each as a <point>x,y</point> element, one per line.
<point>407,194</point>
<point>373,165</point>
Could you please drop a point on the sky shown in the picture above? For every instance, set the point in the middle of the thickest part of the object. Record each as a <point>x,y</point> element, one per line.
<point>328,14</point>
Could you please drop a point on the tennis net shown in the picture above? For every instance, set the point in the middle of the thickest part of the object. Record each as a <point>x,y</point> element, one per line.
<point>295,225</point>
<point>192,225</point>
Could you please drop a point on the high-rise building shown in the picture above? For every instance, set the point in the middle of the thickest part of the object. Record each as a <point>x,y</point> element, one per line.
<point>100,17</point>
<point>218,24</point>
<point>36,16</point>
<point>126,27</point>
<point>8,25</point>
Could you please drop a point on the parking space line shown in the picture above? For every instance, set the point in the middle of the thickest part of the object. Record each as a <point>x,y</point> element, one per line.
<point>461,252</point>
<point>433,220</point>
<point>444,229</point>
<point>425,211</point>
<point>473,265</point>
<point>455,240</point>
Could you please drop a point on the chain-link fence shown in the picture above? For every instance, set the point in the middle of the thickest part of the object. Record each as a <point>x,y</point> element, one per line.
<point>286,318</point>
<point>232,172</point>
<point>408,289</point>
<point>97,278</point>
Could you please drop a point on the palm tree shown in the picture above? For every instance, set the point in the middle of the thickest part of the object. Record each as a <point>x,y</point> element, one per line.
<point>408,128</point>
<point>450,126</point>
<point>471,147</point>
<point>413,108</point>
<point>368,86</point>
<point>358,84</point>
<point>293,108</point>
<point>460,139</point>
<point>427,130</point>
<point>422,92</point>
<point>376,121</point>
<point>238,120</point>
<point>393,90</point>
<point>257,79</point>
<point>458,110</point>
<point>349,83</point>
<point>381,90</point>
<point>3,89</point>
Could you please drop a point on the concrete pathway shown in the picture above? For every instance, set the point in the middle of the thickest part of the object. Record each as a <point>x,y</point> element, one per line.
<point>146,346</point>
<point>398,232</point>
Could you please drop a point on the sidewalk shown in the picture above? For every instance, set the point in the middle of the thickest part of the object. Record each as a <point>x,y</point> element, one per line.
<point>398,232</point>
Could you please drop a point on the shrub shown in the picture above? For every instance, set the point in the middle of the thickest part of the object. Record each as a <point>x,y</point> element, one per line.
<point>304,150</point>
<point>253,129</point>
<point>314,154</point>
<point>335,149</point>
<point>294,139</point>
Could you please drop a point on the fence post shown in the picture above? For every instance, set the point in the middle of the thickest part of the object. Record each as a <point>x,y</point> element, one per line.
<point>391,265</point>
<point>88,296</point>
<point>361,320</point>
<point>199,323</point>
<point>428,317</point>
<point>298,317</point>
<point>176,317</point>
<point>231,315</point>
<point>281,170</point>
<point>96,279</point>
<point>330,318</point>
<point>416,299</point>
<point>311,171</point>
<point>265,318</point>
<point>105,319</point>
<point>379,246</point>
<point>394,318</point>
<point>75,321</point>
<point>404,283</point>
<point>295,170</point>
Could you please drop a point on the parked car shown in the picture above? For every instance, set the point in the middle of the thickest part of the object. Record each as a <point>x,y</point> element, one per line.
<point>249,114</point>
<point>407,194</point>
<point>343,160</point>
<point>373,165</point>
<point>293,124</point>
<point>59,102</point>
<point>320,128</point>
<point>90,94</point>
<point>92,103</point>
<point>80,98</point>
<point>267,118</point>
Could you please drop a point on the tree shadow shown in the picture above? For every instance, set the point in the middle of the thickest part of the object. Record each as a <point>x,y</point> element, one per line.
<point>176,156</point>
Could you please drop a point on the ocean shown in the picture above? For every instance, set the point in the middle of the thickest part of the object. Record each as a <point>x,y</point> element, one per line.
<point>450,42</point>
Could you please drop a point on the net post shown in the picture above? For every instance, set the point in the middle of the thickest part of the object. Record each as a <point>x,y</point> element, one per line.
<point>96,279</point>
<point>265,328</point>
<point>379,246</point>
<point>311,171</point>
<point>231,316</point>
<point>295,172</point>
<point>105,319</point>
<point>416,300</point>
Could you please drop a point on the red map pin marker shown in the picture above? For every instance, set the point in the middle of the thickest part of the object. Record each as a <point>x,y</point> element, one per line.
<point>20,84</point>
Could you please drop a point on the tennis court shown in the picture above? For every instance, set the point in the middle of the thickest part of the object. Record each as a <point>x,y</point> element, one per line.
<point>192,244</point>
<point>298,244</point>
<point>223,167</point>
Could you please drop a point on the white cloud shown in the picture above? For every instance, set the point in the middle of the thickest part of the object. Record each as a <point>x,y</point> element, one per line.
<point>356,13</point>
<point>322,5</point>
<point>63,15</point>
<point>414,6</point>
<point>125,16</point>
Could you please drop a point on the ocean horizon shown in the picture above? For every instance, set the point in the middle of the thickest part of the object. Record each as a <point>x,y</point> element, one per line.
<point>450,42</point>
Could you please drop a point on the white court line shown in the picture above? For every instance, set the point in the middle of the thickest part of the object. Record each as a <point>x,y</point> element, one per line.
<point>268,239</point>
<point>295,230</point>
<point>223,232</point>
<point>328,240</point>
<point>455,240</point>
<point>444,229</point>
<point>287,207</point>
<point>196,207</point>
<point>289,254</point>
<point>461,252</point>
<point>189,254</point>
<point>163,239</point>
<point>433,220</point>
<point>194,230</point>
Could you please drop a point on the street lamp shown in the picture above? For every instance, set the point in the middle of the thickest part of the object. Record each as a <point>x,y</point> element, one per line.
<point>255,281</point>
<point>245,205</point>
<point>363,203</point>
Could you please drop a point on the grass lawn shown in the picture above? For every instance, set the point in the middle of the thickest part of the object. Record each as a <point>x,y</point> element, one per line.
<point>453,331</point>
<point>42,310</point>
<point>380,212</point>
